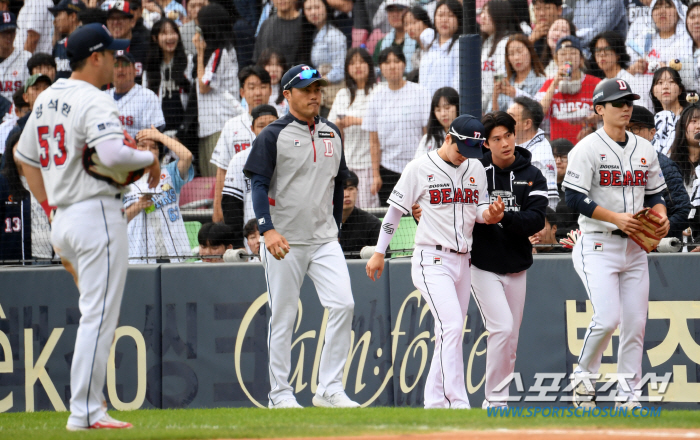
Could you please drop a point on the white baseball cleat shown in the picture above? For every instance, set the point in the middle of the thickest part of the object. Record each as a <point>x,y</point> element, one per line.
<point>488,404</point>
<point>630,404</point>
<point>105,422</point>
<point>290,403</point>
<point>583,397</point>
<point>337,400</point>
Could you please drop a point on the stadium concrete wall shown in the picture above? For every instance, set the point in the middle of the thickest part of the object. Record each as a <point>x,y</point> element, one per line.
<point>195,336</point>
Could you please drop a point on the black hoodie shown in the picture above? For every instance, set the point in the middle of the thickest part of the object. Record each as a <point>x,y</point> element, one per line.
<point>505,247</point>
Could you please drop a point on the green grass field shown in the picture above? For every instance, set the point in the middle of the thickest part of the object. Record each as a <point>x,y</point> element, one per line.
<point>259,423</point>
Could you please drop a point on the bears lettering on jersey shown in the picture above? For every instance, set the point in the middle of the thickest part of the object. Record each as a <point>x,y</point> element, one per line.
<point>465,196</point>
<point>241,147</point>
<point>10,86</point>
<point>618,178</point>
<point>127,121</point>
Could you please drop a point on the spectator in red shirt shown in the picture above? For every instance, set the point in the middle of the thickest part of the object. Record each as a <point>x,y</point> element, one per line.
<point>568,98</point>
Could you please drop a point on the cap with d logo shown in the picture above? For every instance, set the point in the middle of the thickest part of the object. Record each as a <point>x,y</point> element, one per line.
<point>468,133</point>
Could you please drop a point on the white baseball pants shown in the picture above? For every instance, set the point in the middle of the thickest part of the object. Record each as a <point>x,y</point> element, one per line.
<point>615,274</point>
<point>501,299</point>
<point>444,280</point>
<point>326,267</point>
<point>91,236</point>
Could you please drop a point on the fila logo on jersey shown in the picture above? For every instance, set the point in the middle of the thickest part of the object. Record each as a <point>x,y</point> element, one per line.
<point>431,178</point>
<point>598,247</point>
<point>437,261</point>
<point>603,158</point>
<point>615,178</point>
<point>444,196</point>
<point>297,143</point>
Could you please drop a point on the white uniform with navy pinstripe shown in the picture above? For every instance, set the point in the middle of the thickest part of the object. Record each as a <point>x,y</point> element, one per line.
<point>89,228</point>
<point>614,270</point>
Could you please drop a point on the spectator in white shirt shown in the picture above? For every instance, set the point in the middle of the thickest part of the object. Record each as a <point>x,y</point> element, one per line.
<point>419,27</point>
<point>561,27</point>
<point>444,108</point>
<point>35,24</point>
<point>396,118</point>
<point>347,113</point>
<point>274,61</point>
<point>439,64</point>
<point>668,95</point>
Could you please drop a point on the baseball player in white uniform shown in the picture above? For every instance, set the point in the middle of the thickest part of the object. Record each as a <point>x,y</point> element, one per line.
<point>612,174</point>
<point>236,201</point>
<point>13,68</point>
<point>450,186</point>
<point>139,108</point>
<point>89,228</point>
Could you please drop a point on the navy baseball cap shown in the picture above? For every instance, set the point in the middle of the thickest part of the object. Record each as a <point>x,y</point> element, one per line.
<point>68,6</point>
<point>569,41</point>
<point>301,76</point>
<point>93,37</point>
<point>468,133</point>
<point>8,22</point>
<point>125,55</point>
<point>642,116</point>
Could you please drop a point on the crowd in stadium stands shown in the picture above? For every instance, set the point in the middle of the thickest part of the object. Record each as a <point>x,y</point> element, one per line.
<point>201,79</point>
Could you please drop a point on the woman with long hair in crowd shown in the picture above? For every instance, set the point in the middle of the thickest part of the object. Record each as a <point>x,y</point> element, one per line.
<point>327,52</point>
<point>609,59</point>
<point>668,97</point>
<point>274,61</point>
<point>349,108</point>
<point>524,74</point>
<point>692,25</point>
<point>444,108</point>
<point>217,80</point>
<point>418,26</point>
<point>440,60</point>
<point>561,27</point>
<point>685,150</point>
<point>497,24</point>
<point>166,73</point>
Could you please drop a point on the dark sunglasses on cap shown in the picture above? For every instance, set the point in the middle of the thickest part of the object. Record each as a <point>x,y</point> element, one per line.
<point>468,141</point>
<point>619,103</point>
<point>304,74</point>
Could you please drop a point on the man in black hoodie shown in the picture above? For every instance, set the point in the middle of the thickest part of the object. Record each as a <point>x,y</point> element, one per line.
<point>502,252</point>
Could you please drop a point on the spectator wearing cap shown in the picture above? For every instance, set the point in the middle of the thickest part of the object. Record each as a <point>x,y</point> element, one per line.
<point>13,68</point>
<point>217,81</point>
<point>139,108</point>
<point>235,201</point>
<point>42,63</point>
<point>360,228</point>
<point>187,30</point>
<point>33,87</point>
<point>121,22</point>
<point>65,21</point>
<point>397,36</point>
<point>546,12</point>
<point>676,196</point>
<point>567,99</point>
<point>35,25</point>
<point>568,217</point>
<point>157,9</point>
<point>282,31</point>
<point>592,17</point>
<point>549,234</point>
<point>528,117</point>
<point>238,135</point>
<point>394,135</point>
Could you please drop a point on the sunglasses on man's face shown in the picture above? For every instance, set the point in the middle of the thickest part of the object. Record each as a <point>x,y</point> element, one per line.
<point>469,141</point>
<point>304,74</point>
<point>619,103</point>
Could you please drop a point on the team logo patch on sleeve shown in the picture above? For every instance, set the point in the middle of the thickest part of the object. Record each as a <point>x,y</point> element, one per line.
<point>437,261</point>
<point>431,177</point>
<point>598,247</point>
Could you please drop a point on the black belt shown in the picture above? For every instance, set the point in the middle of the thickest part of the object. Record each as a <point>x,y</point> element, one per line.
<point>617,232</point>
<point>118,196</point>
<point>441,249</point>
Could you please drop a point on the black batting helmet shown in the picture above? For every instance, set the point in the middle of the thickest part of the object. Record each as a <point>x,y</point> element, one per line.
<point>612,89</point>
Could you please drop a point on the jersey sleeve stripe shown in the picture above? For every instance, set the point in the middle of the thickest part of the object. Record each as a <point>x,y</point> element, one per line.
<point>112,134</point>
<point>398,205</point>
<point>655,190</point>
<point>572,186</point>
<point>24,158</point>
<point>539,193</point>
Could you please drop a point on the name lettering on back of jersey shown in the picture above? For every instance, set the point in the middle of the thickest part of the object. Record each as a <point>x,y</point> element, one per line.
<point>616,178</point>
<point>465,196</point>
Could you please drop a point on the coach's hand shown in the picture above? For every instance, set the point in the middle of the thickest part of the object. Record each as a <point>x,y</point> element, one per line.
<point>375,265</point>
<point>494,214</point>
<point>627,223</point>
<point>276,244</point>
<point>153,171</point>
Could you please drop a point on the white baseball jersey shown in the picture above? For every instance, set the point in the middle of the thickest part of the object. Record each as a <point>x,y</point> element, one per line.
<point>68,116</point>
<point>236,136</point>
<point>543,159</point>
<point>449,196</point>
<point>14,72</point>
<point>427,144</point>
<point>138,109</point>
<point>616,178</point>
<point>35,16</point>
<point>238,185</point>
<point>159,230</point>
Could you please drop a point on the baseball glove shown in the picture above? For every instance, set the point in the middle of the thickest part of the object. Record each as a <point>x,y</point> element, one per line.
<point>94,167</point>
<point>571,239</point>
<point>647,238</point>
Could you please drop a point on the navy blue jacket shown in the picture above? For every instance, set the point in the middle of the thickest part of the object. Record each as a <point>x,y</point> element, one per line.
<point>16,230</point>
<point>676,197</point>
<point>505,247</point>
